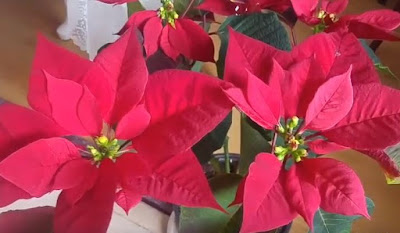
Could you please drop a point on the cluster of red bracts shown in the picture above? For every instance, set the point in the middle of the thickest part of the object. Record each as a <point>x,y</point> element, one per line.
<point>137,129</point>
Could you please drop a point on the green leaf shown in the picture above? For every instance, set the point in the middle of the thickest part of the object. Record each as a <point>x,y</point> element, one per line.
<point>195,220</point>
<point>134,7</point>
<point>325,222</point>
<point>213,141</point>
<point>182,5</point>
<point>394,153</point>
<point>385,70</point>
<point>234,224</point>
<point>264,27</point>
<point>251,144</point>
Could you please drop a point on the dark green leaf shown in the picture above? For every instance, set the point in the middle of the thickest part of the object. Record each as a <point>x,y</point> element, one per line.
<point>264,27</point>
<point>251,144</point>
<point>325,222</point>
<point>213,141</point>
<point>194,220</point>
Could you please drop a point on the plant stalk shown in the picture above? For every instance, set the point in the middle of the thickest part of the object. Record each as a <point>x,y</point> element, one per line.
<point>227,157</point>
<point>273,142</point>
<point>188,8</point>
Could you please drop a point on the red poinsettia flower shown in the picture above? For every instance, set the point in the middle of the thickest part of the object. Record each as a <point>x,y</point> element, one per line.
<point>105,131</point>
<point>238,7</point>
<point>316,101</point>
<point>323,16</point>
<point>175,35</point>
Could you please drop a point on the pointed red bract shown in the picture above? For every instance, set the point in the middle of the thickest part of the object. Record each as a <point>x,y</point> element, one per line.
<point>177,179</point>
<point>274,211</point>
<point>39,161</point>
<point>138,20</point>
<point>334,7</point>
<point>301,194</point>
<point>127,199</point>
<point>133,123</point>
<point>33,220</point>
<point>373,116</point>
<point>76,109</point>
<point>96,204</point>
<point>151,34</point>
<point>386,162</point>
<point>191,40</point>
<point>340,188</point>
<point>127,74</point>
<point>184,107</point>
<point>323,147</point>
<point>332,101</point>
<point>257,100</point>
<point>263,174</point>
<point>239,193</point>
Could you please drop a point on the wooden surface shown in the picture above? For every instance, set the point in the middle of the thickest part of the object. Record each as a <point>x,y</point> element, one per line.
<point>20,20</point>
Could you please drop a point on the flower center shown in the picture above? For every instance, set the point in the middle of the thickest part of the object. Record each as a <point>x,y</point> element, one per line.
<point>167,12</point>
<point>293,142</point>
<point>325,20</point>
<point>104,148</point>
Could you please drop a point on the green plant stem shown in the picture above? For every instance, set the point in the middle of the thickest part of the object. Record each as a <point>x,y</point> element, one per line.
<point>273,143</point>
<point>188,8</point>
<point>227,157</point>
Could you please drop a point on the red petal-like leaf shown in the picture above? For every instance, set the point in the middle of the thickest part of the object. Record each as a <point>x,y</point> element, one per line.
<point>383,19</point>
<point>274,211</point>
<point>181,117</point>
<point>126,70</point>
<point>332,101</point>
<point>334,7</point>
<point>138,20</point>
<point>179,180</point>
<point>257,100</point>
<point>349,51</point>
<point>10,193</point>
<point>127,199</point>
<point>263,173</point>
<point>73,107</point>
<point>323,147</point>
<point>221,7</point>
<point>28,221</point>
<point>299,86</point>
<point>93,212</point>
<point>306,10</point>
<point>151,33</point>
<point>191,40</point>
<point>373,117</point>
<point>301,195</point>
<point>133,123</point>
<point>239,193</point>
<point>34,167</point>
<point>130,166</point>
<point>339,186</point>
<point>166,45</point>
<point>390,167</point>
<point>20,126</point>
<point>368,31</point>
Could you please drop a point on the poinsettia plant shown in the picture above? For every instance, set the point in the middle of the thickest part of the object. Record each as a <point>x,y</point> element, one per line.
<point>109,130</point>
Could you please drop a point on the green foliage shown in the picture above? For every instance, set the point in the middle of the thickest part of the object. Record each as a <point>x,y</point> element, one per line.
<point>325,222</point>
<point>264,27</point>
<point>194,220</point>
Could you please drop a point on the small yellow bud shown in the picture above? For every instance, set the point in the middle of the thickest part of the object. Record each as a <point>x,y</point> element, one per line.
<point>176,16</point>
<point>103,140</point>
<point>280,129</point>
<point>298,159</point>
<point>294,122</point>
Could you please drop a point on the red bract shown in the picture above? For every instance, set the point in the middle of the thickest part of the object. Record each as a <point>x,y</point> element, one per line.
<point>173,34</point>
<point>88,121</point>
<point>237,7</point>
<point>331,92</point>
<point>376,24</point>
